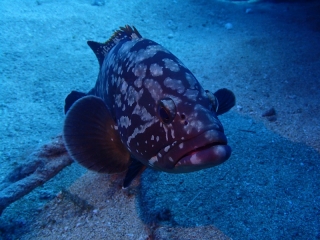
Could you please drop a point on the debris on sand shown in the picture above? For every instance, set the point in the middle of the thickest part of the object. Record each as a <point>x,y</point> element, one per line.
<point>270,112</point>
<point>39,167</point>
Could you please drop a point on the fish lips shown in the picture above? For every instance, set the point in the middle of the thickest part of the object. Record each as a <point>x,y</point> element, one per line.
<point>206,150</point>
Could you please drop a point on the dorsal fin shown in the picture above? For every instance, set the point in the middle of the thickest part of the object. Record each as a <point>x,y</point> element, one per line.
<point>102,49</point>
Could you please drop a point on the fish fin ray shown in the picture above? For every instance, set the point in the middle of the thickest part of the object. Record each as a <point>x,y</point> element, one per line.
<point>91,138</point>
<point>102,49</point>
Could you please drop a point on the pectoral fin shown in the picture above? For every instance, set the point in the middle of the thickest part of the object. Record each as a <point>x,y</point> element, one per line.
<point>222,100</point>
<point>226,100</point>
<point>91,136</point>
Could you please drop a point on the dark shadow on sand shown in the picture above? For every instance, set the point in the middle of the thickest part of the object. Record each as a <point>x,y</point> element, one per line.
<point>268,189</point>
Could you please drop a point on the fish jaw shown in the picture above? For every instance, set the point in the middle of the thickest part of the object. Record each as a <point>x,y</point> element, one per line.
<point>205,158</point>
<point>206,150</point>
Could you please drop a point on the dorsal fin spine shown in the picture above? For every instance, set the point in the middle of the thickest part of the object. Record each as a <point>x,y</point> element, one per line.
<point>102,49</point>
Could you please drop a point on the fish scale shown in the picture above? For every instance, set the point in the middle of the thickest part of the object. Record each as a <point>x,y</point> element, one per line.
<point>155,110</point>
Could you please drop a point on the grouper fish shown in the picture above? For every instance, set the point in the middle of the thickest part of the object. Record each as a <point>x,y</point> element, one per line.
<point>146,110</point>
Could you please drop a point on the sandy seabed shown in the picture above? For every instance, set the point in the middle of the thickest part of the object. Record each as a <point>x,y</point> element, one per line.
<point>269,56</point>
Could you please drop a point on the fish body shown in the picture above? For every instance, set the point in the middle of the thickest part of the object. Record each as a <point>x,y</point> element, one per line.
<point>146,109</point>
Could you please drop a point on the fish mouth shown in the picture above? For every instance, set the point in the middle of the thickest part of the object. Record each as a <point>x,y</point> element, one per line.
<point>204,157</point>
<point>199,149</point>
<point>206,150</point>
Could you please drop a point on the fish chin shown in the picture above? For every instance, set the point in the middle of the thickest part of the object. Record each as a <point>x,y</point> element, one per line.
<point>205,157</point>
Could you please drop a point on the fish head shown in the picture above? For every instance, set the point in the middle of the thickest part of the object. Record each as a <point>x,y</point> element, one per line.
<point>200,142</point>
<point>173,126</point>
<point>192,136</point>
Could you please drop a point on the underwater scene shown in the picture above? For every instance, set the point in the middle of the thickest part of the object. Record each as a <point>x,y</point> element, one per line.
<point>176,119</point>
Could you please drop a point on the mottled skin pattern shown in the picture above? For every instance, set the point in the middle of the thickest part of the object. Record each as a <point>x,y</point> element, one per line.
<point>137,78</point>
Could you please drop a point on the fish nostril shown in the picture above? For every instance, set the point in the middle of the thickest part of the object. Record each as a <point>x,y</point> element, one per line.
<point>183,117</point>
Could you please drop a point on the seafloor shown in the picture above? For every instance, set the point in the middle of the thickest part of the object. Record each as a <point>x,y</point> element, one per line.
<point>268,53</point>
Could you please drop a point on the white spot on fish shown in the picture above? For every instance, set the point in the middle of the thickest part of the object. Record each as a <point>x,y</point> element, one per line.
<point>174,84</point>
<point>154,88</point>
<point>211,135</point>
<point>152,138</point>
<point>153,160</point>
<point>139,71</point>
<point>125,48</point>
<point>119,81</point>
<point>124,121</point>
<point>141,129</point>
<point>166,149</point>
<point>124,87</point>
<point>138,82</point>
<point>181,145</point>
<point>192,80</point>
<point>157,138</point>
<point>156,70</point>
<point>172,133</point>
<point>142,113</point>
<point>143,54</point>
<point>193,122</point>
<point>191,94</point>
<point>119,70</point>
<point>195,159</point>
<point>166,131</point>
<point>132,95</point>
<point>171,64</point>
<point>149,52</point>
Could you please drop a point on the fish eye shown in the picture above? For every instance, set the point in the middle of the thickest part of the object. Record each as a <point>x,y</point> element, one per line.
<point>166,110</point>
